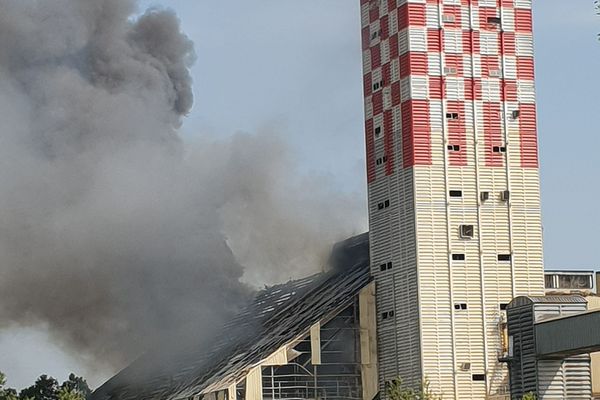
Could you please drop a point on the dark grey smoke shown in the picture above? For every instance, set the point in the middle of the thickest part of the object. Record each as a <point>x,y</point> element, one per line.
<point>115,233</point>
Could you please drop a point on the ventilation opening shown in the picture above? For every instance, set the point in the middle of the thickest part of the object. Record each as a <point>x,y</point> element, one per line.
<point>499,149</point>
<point>448,18</point>
<point>460,306</point>
<point>453,116</point>
<point>504,257</point>
<point>467,231</point>
<point>515,114</point>
<point>479,377</point>
<point>453,147</point>
<point>387,315</point>
<point>450,71</point>
<point>456,193</point>
<point>503,306</point>
<point>484,196</point>
<point>458,257</point>
<point>383,204</point>
<point>386,266</point>
<point>377,132</point>
<point>494,20</point>
<point>505,195</point>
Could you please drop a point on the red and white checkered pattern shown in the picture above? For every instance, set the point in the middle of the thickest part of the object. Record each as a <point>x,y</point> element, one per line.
<point>459,58</point>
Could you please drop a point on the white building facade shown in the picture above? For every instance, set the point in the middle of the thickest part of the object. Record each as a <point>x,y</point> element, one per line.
<point>454,198</point>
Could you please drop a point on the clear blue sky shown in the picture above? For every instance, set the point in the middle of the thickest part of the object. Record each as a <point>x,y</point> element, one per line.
<point>295,65</point>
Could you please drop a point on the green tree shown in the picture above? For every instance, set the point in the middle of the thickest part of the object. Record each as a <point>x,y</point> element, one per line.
<point>6,393</point>
<point>78,385</point>
<point>529,396</point>
<point>45,388</point>
<point>396,391</point>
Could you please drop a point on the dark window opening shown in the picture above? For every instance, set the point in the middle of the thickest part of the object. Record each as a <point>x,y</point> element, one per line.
<point>504,257</point>
<point>453,116</point>
<point>454,147</point>
<point>516,114</point>
<point>494,20</point>
<point>382,205</point>
<point>503,306</point>
<point>458,257</point>
<point>485,196</point>
<point>377,131</point>
<point>386,266</point>
<point>479,377</point>
<point>467,231</point>
<point>387,314</point>
<point>499,149</point>
<point>456,193</point>
<point>460,306</point>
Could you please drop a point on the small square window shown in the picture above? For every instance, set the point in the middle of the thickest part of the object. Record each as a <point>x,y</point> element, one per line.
<point>456,193</point>
<point>380,206</point>
<point>484,196</point>
<point>452,116</point>
<point>458,257</point>
<point>479,377</point>
<point>499,149</point>
<point>376,86</point>
<point>460,306</point>
<point>467,231</point>
<point>387,203</point>
<point>503,306</point>
<point>387,314</point>
<point>516,114</point>
<point>384,159</point>
<point>453,147</point>
<point>504,257</point>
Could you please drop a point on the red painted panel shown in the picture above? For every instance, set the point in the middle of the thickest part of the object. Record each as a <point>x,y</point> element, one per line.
<point>455,61</point>
<point>396,93</point>
<point>375,57</point>
<point>523,20</point>
<point>388,129</point>
<point>411,14</point>
<point>413,64</point>
<point>393,44</point>
<point>370,142</point>
<point>436,88</point>
<point>457,134</point>
<point>366,38</point>
<point>529,144</point>
<point>488,64</point>
<point>492,131</point>
<point>416,133</point>
<point>373,14</point>
<point>392,5</point>
<point>454,10</point>
<point>473,89</point>
<point>509,90</point>
<point>385,27</point>
<point>508,44</point>
<point>367,84</point>
<point>434,42</point>
<point>471,42</point>
<point>386,73</point>
<point>525,69</point>
<point>484,14</point>
<point>377,102</point>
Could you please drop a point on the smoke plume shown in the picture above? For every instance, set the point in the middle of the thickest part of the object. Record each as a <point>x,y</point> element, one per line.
<point>116,233</point>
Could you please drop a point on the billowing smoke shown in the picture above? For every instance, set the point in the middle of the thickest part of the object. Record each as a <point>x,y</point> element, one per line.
<point>114,232</point>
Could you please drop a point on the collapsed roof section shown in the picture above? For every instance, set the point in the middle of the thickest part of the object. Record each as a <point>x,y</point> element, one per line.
<point>278,318</point>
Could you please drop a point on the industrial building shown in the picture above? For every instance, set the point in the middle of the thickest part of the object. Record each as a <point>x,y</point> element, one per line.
<point>448,286</point>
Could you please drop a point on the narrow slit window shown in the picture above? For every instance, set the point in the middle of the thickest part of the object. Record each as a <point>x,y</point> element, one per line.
<point>377,132</point>
<point>494,20</point>
<point>456,193</point>
<point>479,377</point>
<point>504,257</point>
<point>458,257</point>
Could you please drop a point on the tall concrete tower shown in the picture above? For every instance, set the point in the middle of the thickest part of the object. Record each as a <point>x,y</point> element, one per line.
<point>454,198</point>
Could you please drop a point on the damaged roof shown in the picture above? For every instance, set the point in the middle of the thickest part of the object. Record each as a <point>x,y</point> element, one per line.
<point>277,316</point>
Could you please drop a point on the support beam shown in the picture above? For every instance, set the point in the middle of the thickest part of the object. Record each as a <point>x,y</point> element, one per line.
<point>315,344</point>
<point>568,336</point>
<point>254,384</point>
<point>232,392</point>
<point>368,341</point>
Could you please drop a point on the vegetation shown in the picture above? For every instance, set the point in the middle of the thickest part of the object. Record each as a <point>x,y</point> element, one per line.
<point>529,396</point>
<point>48,388</point>
<point>396,391</point>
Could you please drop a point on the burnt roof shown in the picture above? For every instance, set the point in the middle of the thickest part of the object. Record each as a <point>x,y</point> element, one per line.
<point>277,316</point>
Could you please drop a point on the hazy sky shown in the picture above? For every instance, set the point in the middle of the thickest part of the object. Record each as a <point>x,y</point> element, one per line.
<point>296,66</point>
